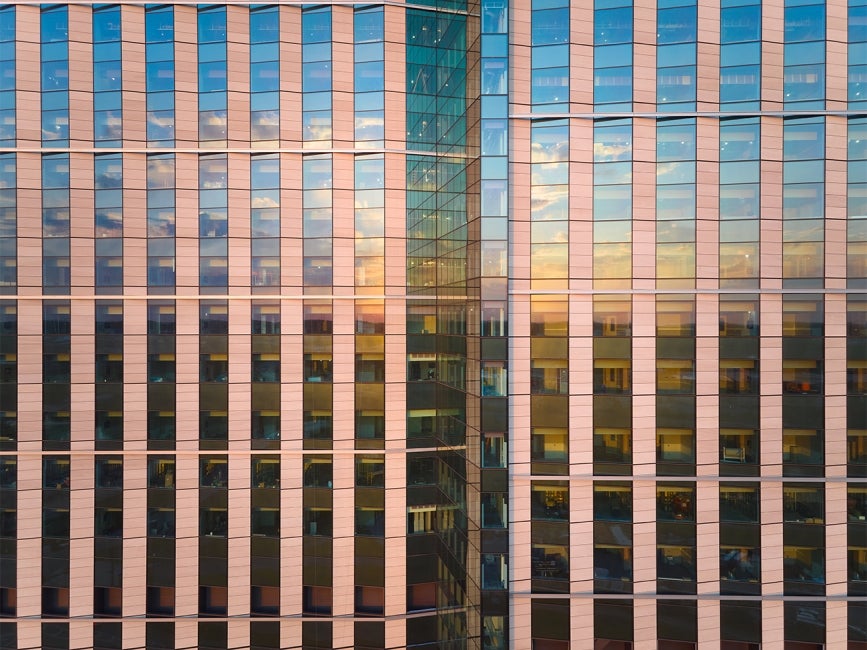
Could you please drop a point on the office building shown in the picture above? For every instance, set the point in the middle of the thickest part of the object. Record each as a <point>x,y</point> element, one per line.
<point>434,325</point>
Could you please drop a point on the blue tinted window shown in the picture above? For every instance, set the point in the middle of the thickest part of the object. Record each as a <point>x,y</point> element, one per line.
<point>804,140</point>
<point>316,26</point>
<point>613,26</point>
<point>740,84</point>
<point>108,172</point>
<point>109,51</point>
<point>857,83</point>
<point>7,75</point>
<point>212,25</point>
<point>612,56</point>
<point>55,25</point>
<point>741,24</point>
<point>741,53</point>
<point>106,25</point>
<point>550,56</point>
<point>55,125</point>
<point>550,142</point>
<point>612,85</point>
<point>160,75</point>
<point>55,171</point>
<point>265,77</point>
<point>806,82</point>
<point>550,26</point>
<point>212,76</point>
<point>805,23</point>
<point>676,25</point>
<point>804,53</point>
<point>7,24</point>
<point>264,25</point>
<point>160,25</point>
<point>550,85</point>
<point>316,77</point>
<point>857,24</point>
<point>675,141</point>
<point>675,85</point>
<point>369,26</point>
<point>106,76</point>
<point>612,141</point>
<point>369,76</point>
<point>55,75</point>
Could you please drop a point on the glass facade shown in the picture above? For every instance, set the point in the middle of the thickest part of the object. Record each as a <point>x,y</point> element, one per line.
<point>442,325</point>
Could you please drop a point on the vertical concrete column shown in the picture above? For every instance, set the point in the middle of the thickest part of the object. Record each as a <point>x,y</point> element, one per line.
<point>81,221</point>
<point>186,222</point>
<point>80,634</point>
<point>836,62</point>
<point>707,70</point>
<point>772,560</point>
<point>80,78</point>
<point>238,95</point>
<point>342,94</point>
<point>186,533</point>
<point>29,202</point>
<point>643,203</point>
<point>135,376</point>
<point>707,547</point>
<point>291,228</point>
<point>290,79</point>
<point>707,453</point>
<point>134,104</point>
<point>30,385</point>
<point>82,356</point>
<point>240,400</point>
<point>238,633</point>
<point>644,388</point>
<point>644,56</point>
<point>134,529</point>
<point>239,222</point>
<point>773,24</point>
<point>81,526</point>
<point>707,207</point>
<point>291,540</point>
<point>134,225</point>
<point>644,558</point>
<point>836,453</point>
<point>395,90</point>
<point>187,633</point>
<point>187,378</point>
<point>343,567</point>
<point>581,36</point>
<point>29,543</point>
<point>239,533</point>
<point>186,82</point>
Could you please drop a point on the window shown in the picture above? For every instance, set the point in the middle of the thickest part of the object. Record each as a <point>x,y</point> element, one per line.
<point>494,450</point>
<point>549,445</point>
<point>549,501</point>
<point>612,501</point>
<point>549,561</point>
<point>266,472</point>
<point>109,473</point>
<point>739,502</point>
<point>370,471</point>
<point>214,472</point>
<point>369,521</point>
<point>803,504</point>
<point>675,502</point>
